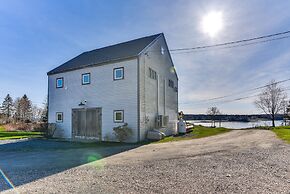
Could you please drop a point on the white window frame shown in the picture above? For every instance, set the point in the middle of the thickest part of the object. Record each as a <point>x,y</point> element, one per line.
<point>115,74</point>
<point>83,81</point>
<point>56,119</point>
<point>62,82</point>
<point>115,116</point>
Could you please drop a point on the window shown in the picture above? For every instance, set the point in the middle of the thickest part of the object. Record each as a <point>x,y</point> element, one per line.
<point>59,82</point>
<point>162,50</point>
<point>119,73</point>
<point>152,74</point>
<point>171,83</point>
<point>86,78</point>
<point>118,116</point>
<point>59,117</point>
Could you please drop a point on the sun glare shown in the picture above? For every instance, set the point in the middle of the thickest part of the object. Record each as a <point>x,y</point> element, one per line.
<point>212,23</point>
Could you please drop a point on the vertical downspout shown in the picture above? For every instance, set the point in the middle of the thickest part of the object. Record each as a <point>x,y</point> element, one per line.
<point>47,97</point>
<point>158,95</point>
<point>138,99</point>
<point>164,96</point>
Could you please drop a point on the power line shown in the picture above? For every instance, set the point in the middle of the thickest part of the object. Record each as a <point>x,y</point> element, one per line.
<point>232,42</point>
<point>241,98</point>
<point>245,97</point>
<point>237,93</point>
<point>235,46</point>
<point>249,90</point>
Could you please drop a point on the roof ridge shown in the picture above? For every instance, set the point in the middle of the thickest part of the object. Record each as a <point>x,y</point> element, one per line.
<point>112,52</point>
<point>124,42</point>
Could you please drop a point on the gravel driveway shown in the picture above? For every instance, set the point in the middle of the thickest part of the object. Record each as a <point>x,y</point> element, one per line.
<point>241,161</point>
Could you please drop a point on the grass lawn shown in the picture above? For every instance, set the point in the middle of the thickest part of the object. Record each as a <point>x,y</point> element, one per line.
<point>5,135</point>
<point>198,132</point>
<point>283,133</point>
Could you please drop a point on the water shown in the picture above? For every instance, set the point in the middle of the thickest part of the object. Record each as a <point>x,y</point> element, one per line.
<point>236,125</point>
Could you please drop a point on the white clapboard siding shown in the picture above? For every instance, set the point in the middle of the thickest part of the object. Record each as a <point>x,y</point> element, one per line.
<point>152,57</point>
<point>103,92</point>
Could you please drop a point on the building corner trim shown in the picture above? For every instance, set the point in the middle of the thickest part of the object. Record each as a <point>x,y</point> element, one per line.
<point>138,99</point>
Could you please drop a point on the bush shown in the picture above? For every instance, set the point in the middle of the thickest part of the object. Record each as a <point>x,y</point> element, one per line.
<point>41,127</point>
<point>122,132</point>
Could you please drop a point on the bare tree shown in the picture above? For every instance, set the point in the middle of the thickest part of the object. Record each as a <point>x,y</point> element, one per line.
<point>287,114</point>
<point>272,100</point>
<point>36,113</point>
<point>44,115</point>
<point>213,111</point>
<point>23,109</point>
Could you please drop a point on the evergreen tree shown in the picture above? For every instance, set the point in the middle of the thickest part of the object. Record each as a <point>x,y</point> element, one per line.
<point>7,107</point>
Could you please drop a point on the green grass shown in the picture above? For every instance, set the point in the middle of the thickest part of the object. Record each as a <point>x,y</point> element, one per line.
<point>5,135</point>
<point>198,132</point>
<point>2,128</point>
<point>283,133</point>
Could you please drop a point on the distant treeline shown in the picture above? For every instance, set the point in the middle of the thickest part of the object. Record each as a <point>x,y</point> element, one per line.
<point>241,118</point>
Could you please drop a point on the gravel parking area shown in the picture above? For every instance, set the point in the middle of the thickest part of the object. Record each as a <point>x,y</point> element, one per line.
<point>241,161</point>
<point>27,160</point>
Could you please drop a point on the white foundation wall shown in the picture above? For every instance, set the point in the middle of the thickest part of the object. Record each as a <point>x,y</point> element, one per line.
<point>103,92</point>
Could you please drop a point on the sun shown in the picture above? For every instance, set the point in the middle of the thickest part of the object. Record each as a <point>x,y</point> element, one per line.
<point>212,23</point>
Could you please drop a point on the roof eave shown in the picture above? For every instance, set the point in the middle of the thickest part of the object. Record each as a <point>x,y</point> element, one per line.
<point>92,65</point>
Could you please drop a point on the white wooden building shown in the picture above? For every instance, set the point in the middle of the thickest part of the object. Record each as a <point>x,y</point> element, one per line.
<point>134,82</point>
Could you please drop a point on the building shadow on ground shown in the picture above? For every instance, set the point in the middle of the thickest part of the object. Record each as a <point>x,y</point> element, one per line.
<point>22,162</point>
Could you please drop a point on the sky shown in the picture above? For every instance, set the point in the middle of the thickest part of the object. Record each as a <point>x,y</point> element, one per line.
<point>39,35</point>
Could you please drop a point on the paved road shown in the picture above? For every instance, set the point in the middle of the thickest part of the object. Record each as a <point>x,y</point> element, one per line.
<point>241,161</point>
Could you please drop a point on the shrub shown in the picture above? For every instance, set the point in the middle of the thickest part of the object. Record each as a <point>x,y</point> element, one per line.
<point>41,127</point>
<point>122,132</point>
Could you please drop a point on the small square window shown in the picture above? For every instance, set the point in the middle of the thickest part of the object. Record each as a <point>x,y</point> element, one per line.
<point>119,73</point>
<point>59,82</point>
<point>59,117</point>
<point>86,78</point>
<point>118,116</point>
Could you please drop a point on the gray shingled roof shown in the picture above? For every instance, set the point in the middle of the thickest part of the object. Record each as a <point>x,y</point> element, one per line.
<point>111,53</point>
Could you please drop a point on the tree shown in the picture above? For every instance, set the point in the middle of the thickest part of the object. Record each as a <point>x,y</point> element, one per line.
<point>213,111</point>
<point>7,107</point>
<point>17,109</point>
<point>36,113</point>
<point>44,115</point>
<point>272,100</point>
<point>288,109</point>
<point>23,109</point>
<point>287,114</point>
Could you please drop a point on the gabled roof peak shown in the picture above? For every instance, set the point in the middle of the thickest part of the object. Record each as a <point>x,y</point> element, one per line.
<point>99,56</point>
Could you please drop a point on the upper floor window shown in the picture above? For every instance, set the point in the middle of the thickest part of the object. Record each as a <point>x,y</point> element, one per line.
<point>59,82</point>
<point>171,83</point>
<point>119,73</point>
<point>86,78</point>
<point>152,74</point>
<point>162,50</point>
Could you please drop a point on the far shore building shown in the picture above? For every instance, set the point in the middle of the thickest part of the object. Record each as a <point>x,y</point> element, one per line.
<point>134,82</point>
